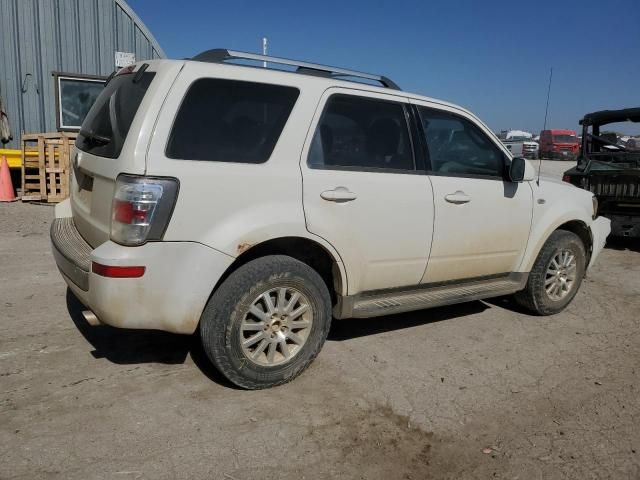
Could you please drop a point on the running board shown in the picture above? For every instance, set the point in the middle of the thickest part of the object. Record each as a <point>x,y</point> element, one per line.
<point>387,302</point>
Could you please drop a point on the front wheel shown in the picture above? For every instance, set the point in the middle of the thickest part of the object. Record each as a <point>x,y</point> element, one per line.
<point>556,275</point>
<point>266,322</point>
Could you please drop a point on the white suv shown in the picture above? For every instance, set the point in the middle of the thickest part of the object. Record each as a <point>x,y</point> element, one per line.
<point>257,204</point>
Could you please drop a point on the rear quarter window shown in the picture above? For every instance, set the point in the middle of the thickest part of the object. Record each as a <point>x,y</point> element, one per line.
<point>230,121</point>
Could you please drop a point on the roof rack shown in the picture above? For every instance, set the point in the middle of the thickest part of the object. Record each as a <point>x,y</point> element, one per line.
<point>220,55</point>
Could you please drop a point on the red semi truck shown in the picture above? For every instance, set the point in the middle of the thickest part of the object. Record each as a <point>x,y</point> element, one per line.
<point>559,144</point>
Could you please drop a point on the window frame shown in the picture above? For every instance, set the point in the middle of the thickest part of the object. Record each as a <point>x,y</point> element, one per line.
<point>418,163</point>
<point>58,76</point>
<point>186,90</point>
<point>505,158</point>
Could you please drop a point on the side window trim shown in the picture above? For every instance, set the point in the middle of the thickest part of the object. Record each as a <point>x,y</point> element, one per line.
<point>421,149</point>
<point>418,167</point>
<point>428,166</point>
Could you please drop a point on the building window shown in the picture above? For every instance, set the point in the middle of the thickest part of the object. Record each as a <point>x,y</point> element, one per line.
<point>75,94</point>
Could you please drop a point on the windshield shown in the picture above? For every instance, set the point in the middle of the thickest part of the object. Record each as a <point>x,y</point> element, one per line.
<point>107,124</point>
<point>565,139</point>
<point>518,139</point>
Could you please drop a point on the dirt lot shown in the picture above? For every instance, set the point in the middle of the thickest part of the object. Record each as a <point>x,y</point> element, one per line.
<point>409,396</point>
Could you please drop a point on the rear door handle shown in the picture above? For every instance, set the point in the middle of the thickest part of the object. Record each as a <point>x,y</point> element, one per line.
<point>458,198</point>
<point>339,195</point>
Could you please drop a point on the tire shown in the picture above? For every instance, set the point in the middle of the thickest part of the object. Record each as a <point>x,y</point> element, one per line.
<point>229,320</point>
<point>535,296</point>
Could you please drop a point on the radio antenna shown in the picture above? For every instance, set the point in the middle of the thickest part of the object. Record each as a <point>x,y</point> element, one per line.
<point>546,111</point>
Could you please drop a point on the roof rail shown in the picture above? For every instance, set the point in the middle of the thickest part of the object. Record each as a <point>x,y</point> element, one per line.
<point>220,55</point>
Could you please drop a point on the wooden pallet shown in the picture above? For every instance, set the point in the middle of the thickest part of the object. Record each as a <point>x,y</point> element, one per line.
<point>45,176</point>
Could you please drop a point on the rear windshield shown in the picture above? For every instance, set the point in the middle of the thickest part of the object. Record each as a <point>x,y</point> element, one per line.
<point>565,139</point>
<point>107,124</point>
<point>230,121</point>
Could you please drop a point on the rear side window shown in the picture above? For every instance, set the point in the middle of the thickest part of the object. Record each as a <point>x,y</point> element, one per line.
<point>106,126</point>
<point>362,133</point>
<point>230,121</point>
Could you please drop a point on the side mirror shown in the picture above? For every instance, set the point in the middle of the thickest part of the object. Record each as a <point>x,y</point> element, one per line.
<point>521,170</point>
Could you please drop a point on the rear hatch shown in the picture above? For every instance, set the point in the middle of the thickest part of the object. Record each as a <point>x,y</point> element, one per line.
<point>113,139</point>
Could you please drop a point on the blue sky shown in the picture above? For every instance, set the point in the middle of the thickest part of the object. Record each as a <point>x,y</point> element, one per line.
<point>492,57</point>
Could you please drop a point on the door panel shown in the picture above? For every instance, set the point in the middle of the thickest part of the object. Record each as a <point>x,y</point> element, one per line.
<point>485,235</point>
<point>482,221</point>
<point>362,193</point>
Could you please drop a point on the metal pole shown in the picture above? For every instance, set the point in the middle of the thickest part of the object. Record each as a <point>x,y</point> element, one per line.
<point>544,127</point>
<point>546,110</point>
<point>264,50</point>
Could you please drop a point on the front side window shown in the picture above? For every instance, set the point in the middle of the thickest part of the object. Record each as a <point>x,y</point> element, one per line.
<point>230,121</point>
<point>458,147</point>
<point>361,133</point>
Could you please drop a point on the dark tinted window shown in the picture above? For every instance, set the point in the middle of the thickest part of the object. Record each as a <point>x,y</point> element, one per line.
<point>107,124</point>
<point>457,146</point>
<point>230,121</point>
<point>361,132</point>
<point>565,139</point>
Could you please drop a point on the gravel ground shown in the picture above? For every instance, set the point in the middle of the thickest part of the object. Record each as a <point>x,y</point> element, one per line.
<point>410,396</point>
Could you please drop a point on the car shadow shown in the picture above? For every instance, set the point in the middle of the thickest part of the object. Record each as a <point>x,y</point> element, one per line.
<point>361,327</point>
<point>128,346</point>
<point>508,303</point>
<point>623,244</point>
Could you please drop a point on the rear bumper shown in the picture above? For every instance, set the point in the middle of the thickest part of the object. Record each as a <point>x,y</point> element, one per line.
<point>71,252</point>
<point>170,296</point>
<point>600,229</point>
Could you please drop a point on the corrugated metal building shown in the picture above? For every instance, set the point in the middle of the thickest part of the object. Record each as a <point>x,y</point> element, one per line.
<point>55,55</point>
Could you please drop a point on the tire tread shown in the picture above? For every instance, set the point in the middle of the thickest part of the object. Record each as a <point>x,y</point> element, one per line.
<point>533,297</point>
<point>230,293</point>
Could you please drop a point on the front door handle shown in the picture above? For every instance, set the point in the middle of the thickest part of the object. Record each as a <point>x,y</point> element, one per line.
<point>339,195</point>
<point>458,198</point>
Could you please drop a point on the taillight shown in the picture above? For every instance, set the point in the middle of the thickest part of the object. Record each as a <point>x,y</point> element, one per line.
<point>141,208</point>
<point>111,271</point>
<point>566,178</point>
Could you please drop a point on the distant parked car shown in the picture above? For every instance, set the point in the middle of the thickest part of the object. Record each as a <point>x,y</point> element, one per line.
<point>519,143</point>
<point>559,144</point>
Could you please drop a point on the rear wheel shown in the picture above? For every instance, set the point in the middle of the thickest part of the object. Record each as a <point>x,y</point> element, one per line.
<point>556,275</point>
<point>267,322</point>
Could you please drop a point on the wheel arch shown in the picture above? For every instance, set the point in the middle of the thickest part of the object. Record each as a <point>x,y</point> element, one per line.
<point>583,231</point>
<point>303,249</point>
<point>570,224</point>
<point>573,220</point>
